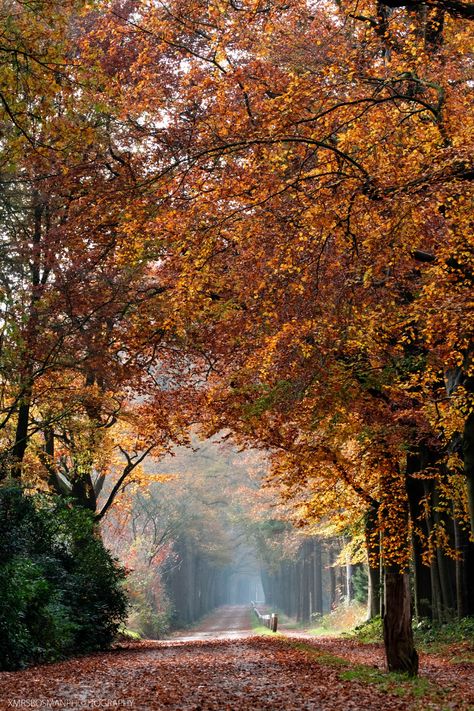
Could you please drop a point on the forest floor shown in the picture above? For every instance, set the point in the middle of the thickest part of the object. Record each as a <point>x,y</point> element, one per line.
<point>222,666</point>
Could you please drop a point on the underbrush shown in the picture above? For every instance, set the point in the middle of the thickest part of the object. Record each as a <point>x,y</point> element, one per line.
<point>146,621</point>
<point>338,621</point>
<point>61,591</point>
<point>429,636</point>
<point>126,635</point>
<point>368,632</point>
<point>452,635</point>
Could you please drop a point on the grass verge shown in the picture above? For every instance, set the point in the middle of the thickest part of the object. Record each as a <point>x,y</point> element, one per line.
<point>260,629</point>
<point>417,689</point>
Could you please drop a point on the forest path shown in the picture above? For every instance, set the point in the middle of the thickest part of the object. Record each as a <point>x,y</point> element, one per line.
<point>220,666</point>
<point>226,622</point>
<point>252,674</point>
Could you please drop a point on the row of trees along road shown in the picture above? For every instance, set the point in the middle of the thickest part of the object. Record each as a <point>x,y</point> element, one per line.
<point>255,216</point>
<point>189,536</point>
<point>204,532</point>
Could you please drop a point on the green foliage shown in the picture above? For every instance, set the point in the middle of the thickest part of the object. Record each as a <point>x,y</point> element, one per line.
<point>149,623</point>
<point>390,682</point>
<point>61,590</point>
<point>150,609</point>
<point>438,638</point>
<point>128,635</point>
<point>279,393</point>
<point>360,583</point>
<point>368,632</point>
<point>456,634</point>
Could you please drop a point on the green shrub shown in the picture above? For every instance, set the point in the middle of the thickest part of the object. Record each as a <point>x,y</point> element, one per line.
<point>150,624</point>
<point>61,591</point>
<point>428,635</point>
<point>126,635</point>
<point>434,637</point>
<point>369,631</point>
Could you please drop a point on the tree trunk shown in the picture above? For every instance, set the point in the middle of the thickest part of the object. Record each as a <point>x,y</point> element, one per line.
<point>21,435</point>
<point>306,581</point>
<point>299,614</point>
<point>422,583</point>
<point>398,634</point>
<point>468,457</point>
<point>422,573</point>
<point>464,571</point>
<point>349,594</point>
<point>460,603</point>
<point>340,584</point>
<point>372,540</point>
<point>318,577</point>
<point>332,579</point>
<point>445,565</point>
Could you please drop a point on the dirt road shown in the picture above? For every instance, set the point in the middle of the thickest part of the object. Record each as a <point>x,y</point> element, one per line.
<point>221,667</point>
<point>227,622</point>
<point>253,674</point>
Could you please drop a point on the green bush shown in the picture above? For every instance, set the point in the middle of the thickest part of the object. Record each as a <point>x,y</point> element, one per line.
<point>151,624</point>
<point>432,636</point>
<point>60,589</point>
<point>369,631</point>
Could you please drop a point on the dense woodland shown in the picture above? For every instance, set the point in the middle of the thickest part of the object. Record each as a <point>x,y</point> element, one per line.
<point>250,220</point>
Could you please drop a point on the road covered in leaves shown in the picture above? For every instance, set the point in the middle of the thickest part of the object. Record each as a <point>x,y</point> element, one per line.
<point>227,622</point>
<point>243,671</point>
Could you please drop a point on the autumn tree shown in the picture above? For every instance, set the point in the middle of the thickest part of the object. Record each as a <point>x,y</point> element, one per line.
<point>83,337</point>
<point>319,227</point>
<point>263,209</point>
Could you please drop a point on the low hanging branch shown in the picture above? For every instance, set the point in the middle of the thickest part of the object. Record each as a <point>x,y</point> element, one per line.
<point>130,466</point>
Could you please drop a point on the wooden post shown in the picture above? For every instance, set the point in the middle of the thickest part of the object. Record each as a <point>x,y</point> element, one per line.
<point>270,621</point>
<point>274,622</point>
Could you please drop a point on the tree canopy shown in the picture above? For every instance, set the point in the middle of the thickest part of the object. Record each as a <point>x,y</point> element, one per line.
<point>256,218</point>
